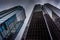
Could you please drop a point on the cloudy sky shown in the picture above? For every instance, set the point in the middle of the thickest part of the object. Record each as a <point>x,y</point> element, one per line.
<point>7,3</point>
<point>27,4</point>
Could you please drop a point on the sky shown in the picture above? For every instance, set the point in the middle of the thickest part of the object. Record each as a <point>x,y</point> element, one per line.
<point>27,4</point>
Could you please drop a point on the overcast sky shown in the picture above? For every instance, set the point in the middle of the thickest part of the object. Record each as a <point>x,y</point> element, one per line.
<point>5,4</point>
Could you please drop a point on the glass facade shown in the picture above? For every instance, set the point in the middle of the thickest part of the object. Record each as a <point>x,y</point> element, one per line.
<point>10,27</point>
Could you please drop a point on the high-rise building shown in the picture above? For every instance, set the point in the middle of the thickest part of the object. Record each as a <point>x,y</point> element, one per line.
<point>9,24</point>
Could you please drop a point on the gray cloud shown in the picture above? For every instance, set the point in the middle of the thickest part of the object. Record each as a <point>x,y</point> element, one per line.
<point>5,4</point>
